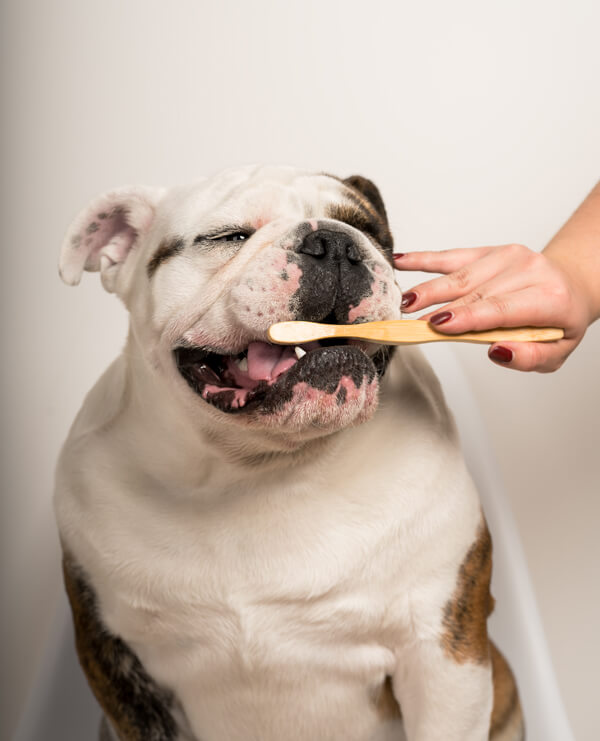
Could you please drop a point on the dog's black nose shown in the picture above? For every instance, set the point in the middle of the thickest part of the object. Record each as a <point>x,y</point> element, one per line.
<point>328,243</point>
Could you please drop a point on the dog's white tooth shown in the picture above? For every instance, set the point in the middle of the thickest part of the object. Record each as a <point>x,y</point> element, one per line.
<point>299,352</point>
<point>243,364</point>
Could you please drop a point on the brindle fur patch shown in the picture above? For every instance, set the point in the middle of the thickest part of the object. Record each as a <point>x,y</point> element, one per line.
<point>465,616</point>
<point>137,707</point>
<point>370,191</point>
<point>357,214</point>
<point>166,249</point>
<point>365,211</point>
<point>507,716</point>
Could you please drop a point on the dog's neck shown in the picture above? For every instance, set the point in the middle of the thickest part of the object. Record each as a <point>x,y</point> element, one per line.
<point>173,434</point>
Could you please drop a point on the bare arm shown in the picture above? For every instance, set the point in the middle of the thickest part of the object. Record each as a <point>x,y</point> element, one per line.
<point>576,248</point>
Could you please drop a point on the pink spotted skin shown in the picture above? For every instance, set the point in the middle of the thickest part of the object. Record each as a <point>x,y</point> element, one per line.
<point>311,406</point>
<point>239,399</point>
<point>264,294</point>
<point>376,306</point>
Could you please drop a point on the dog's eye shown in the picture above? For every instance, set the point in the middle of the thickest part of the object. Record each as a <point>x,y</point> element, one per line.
<point>235,237</point>
<point>231,236</point>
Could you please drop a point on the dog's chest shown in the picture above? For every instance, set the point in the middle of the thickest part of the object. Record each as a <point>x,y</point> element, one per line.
<point>255,668</point>
<point>248,634</point>
<point>261,598</point>
<point>260,620</point>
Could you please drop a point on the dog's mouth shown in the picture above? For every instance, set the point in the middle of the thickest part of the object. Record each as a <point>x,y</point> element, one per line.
<point>246,380</point>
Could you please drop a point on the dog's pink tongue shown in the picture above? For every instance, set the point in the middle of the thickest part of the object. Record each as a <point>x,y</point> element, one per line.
<point>266,362</point>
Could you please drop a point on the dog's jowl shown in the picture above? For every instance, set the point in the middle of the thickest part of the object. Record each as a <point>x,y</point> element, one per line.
<point>261,542</point>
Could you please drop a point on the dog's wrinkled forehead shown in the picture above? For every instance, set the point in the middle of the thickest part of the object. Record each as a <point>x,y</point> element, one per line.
<point>252,199</point>
<point>232,206</point>
<point>207,237</point>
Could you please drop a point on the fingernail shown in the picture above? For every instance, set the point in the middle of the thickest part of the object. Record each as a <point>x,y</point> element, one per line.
<point>408,299</point>
<point>441,318</point>
<point>397,255</point>
<point>501,354</point>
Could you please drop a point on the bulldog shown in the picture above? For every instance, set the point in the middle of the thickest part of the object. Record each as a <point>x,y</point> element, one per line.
<point>262,542</point>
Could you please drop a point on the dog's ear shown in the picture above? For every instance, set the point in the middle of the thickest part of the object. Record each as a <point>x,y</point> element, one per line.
<point>370,191</point>
<point>103,235</point>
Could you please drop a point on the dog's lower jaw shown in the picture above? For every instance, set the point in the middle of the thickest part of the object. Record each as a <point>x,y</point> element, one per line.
<point>282,443</point>
<point>304,425</point>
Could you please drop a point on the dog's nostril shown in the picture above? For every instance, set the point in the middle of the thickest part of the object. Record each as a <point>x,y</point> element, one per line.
<point>315,247</point>
<point>353,254</point>
<point>336,245</point>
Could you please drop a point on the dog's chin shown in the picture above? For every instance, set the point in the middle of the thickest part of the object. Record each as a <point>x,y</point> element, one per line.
<point>321,387</point>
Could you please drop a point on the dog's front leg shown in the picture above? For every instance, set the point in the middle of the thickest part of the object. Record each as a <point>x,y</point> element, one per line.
<point>442,699</point>
<point>444,679</point>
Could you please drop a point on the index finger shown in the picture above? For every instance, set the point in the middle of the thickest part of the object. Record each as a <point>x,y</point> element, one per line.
<point>445,261</point>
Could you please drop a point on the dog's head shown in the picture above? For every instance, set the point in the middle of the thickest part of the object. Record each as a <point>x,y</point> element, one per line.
<point>206,269</point>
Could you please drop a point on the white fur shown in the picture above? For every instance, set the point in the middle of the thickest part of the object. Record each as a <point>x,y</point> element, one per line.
<point>275,596</point>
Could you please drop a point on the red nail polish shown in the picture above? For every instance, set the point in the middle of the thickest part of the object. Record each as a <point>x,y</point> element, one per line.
<point>441,318</point>
<point>396,255</point>
<point>501,354</point>
<point>408,299</point>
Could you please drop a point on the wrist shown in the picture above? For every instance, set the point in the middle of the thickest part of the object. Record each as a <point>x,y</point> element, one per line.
<point>581,272</point>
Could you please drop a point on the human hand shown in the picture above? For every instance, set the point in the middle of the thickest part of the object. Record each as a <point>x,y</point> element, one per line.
<point>506,286</point>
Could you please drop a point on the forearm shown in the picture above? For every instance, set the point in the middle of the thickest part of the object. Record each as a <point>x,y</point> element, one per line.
<point>576,248</point>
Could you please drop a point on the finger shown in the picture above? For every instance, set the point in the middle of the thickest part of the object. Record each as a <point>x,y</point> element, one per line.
<point>543,357</point>
<point>507,281</point>
<point>486,276</point>
<point>444,261</point>
<point>526,307</point>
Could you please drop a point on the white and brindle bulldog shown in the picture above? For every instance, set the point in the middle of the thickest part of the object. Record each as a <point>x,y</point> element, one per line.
<point>269,543</point>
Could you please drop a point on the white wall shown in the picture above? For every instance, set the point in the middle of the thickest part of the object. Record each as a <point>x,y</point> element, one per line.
<point>479,121</point>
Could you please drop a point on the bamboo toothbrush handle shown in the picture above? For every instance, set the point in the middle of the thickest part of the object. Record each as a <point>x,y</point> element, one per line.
<point>403,331</point>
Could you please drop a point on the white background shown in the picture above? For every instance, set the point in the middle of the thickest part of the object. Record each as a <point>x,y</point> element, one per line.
<point>479,121</point>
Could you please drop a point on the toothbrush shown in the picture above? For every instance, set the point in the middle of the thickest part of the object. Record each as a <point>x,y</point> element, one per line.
<point>402,332</point>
